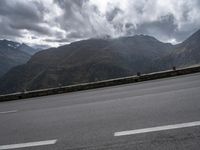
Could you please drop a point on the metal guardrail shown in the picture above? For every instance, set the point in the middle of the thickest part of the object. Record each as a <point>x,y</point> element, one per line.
<point>119,81</point>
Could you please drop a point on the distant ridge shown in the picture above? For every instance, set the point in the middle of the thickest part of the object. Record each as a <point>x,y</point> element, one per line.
<point>13,54</point>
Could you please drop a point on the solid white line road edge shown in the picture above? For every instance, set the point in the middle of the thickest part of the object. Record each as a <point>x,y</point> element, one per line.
<point>159,128</point>
<point>7,112</point>
<point>30,144</point>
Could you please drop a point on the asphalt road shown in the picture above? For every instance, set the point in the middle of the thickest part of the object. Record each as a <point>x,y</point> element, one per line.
<point>88,120</point>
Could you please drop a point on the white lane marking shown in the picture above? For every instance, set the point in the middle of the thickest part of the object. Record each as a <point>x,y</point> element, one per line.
<point>7,112</point>
<point>159,128</point>
<point>24,145</point>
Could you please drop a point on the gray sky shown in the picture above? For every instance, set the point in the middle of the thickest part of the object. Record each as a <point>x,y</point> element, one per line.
<point>57,22</point>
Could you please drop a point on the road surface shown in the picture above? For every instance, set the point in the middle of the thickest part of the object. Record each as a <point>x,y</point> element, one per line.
<point>154,115</point>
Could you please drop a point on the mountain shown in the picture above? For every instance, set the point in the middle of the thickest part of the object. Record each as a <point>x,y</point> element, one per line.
<point>184,54</point>
<point>86,61</point>
<point>99,59</point>
<point>27,49</point>
<point>13,54</point>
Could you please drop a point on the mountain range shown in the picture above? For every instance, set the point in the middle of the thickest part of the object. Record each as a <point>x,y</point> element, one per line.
<point>13,54</point>
<point>99,59</point>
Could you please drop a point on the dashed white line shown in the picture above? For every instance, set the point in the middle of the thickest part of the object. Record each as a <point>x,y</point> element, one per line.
<point>25,145</point>
<point>159,128</point>
<point>8,112</point>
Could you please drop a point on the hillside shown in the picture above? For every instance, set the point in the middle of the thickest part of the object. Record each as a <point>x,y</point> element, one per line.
<point>99,59</point>
<point>184,54</point>
<point>86,61</point>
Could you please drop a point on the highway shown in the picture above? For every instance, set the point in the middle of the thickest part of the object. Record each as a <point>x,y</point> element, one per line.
<point>154,115</point>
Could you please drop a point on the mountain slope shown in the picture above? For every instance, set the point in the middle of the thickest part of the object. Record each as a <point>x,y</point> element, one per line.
<point>86,61</point>
<point>12,55</point>
<point>27,49</point>
<point>184,54</point>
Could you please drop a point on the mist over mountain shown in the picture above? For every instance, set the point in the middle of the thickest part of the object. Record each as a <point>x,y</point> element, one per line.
<point>13,54</point>
<point>99,59</point>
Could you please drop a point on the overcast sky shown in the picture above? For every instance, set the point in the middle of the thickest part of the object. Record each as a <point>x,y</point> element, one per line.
<point>56,22</point>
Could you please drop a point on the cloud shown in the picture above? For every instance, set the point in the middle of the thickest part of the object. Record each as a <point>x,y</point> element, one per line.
<point>57,22</point>
<point>80,19</point>
<point>22,19</point>
<point>165,20</point>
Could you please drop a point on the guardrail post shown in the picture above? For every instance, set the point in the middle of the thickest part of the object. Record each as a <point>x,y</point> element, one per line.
<point>138,74</point>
